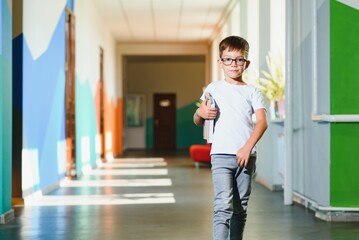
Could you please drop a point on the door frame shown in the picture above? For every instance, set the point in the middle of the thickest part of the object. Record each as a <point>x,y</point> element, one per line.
<point>70,96</point>
<point>102,107</point>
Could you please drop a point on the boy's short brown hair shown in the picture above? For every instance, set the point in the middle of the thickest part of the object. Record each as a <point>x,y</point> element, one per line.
<point>234,43</point>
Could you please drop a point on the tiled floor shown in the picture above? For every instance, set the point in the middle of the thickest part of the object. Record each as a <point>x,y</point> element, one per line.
<point>158,200</point>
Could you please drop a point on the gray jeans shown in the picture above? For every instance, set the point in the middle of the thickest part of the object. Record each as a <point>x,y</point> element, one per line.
<point>232,187</point>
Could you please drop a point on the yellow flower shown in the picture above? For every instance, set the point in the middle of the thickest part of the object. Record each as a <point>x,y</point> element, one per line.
<point>272,84</point>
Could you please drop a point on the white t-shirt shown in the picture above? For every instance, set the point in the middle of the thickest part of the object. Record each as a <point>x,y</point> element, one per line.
<point>234,125</point>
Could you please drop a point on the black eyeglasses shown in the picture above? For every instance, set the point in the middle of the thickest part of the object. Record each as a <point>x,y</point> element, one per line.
<point>228,61</point>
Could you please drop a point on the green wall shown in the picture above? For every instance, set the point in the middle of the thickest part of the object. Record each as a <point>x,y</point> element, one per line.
<point>344,99</point>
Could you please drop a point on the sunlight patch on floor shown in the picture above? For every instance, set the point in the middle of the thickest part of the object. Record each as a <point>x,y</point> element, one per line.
<point>138,160</point>
<point>113,199</point>
<point>131,169</point>
<point>122,172</point>
<point>132,165</point>
<point>118,183</point>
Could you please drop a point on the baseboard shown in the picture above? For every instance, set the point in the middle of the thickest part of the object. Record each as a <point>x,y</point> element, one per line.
<point>7,217</point>
<point>328,214</point>
<point>17,201</point>
<point>337,216</point>
<point>265,183</point>
<point>31,195</point>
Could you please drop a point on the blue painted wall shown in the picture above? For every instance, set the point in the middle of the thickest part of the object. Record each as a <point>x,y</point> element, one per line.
<point>39,106</point>
<point>39,103</point>
<point>43,105</point>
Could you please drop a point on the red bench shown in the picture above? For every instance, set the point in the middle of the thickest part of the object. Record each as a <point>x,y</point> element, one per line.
<point>200,153</point>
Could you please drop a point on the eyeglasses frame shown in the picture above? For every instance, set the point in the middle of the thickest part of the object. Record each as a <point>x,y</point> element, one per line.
<point>235,60</point>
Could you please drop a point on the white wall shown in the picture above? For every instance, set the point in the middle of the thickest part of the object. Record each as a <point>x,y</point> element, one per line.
<point>311,140</point>
<point>157,50</point>
<point>92,33</point>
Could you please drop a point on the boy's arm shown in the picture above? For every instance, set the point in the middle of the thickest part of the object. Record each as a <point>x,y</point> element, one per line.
<point>244,153</point>
<point>204,113</point>
<point>197,119</point>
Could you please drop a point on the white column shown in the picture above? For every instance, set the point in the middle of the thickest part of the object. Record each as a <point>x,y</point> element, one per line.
<point>288,125</point>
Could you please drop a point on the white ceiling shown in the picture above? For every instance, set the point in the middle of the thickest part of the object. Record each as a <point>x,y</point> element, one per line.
<point>163,20</point>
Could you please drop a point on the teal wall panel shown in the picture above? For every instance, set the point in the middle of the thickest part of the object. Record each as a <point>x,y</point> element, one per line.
<point>344,99</point>
<point>5,107</point>
<point>86,127</point>
<point>187,133</point>
<point>149,133</point>
<point>2,179</point>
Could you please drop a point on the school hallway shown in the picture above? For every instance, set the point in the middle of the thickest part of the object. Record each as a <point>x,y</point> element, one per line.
<point>158,196</point>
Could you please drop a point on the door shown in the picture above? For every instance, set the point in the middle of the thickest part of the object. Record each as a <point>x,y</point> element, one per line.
<point>164,121</point>
<point>70,96</point>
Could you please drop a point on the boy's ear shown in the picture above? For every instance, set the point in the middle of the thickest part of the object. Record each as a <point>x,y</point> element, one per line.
<point>247,64</point>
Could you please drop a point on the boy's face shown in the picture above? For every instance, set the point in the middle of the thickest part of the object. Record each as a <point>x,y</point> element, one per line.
<point>233,64</point>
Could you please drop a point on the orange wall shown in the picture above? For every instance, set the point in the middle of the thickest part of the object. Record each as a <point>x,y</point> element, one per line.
<point>113,121</point>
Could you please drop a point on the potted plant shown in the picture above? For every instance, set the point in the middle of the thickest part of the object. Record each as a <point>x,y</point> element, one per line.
<point>272,85</point>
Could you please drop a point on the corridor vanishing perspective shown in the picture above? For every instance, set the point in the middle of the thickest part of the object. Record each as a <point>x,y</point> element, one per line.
<point>157,196</point>
<point>96,100</point>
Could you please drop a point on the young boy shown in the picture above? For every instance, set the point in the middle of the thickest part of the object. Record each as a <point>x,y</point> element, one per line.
<point>233,152</point>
